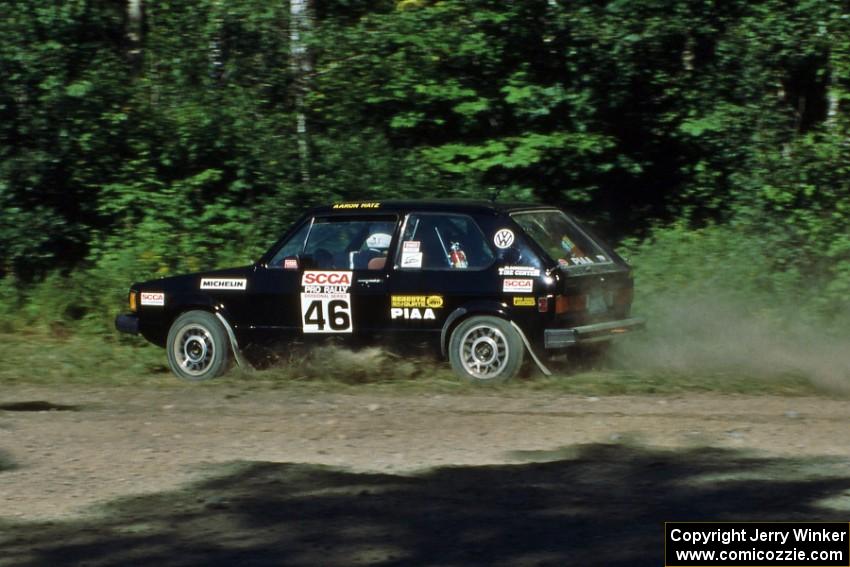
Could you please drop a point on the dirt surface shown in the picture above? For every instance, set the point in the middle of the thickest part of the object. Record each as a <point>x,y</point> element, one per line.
<point>68,455</point>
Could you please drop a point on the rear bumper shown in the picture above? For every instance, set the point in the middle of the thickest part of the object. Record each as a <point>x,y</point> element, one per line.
<point>597,332</point>
<point>127,324</point>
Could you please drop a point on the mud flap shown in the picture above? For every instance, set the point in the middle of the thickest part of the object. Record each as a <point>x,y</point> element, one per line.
<point>234,346</point>
<point>530,350</point>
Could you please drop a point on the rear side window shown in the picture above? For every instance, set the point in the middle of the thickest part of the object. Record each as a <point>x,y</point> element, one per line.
<point>443,242</point>
<point>561,238</point>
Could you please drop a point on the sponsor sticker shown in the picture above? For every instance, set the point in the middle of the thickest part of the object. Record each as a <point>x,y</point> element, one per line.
<point>153,298</point>
<point>410,246</point>
<point>523,302</point>
<point>327,282</point>
<point>517,286</point>
<point>326,312</point>
<point>432,301</point>
<point>357,205</point>
<point>411,259</point>
<point>503,238</point>
<point>290,264</point>
<point>522,271</point>
<point>224,283</point>
<point>411,313</point>
<point>326,302</point>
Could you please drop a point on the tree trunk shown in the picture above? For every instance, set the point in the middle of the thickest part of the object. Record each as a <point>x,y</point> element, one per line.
<point>133,32</point>
<point>300,25</point>
<point>839,67</point>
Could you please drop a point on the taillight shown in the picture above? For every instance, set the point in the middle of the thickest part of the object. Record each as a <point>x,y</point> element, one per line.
<point>132,301</point>
<point>569,303</point>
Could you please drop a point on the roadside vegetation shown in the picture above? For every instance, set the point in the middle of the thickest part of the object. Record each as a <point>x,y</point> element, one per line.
<point>142,139</point>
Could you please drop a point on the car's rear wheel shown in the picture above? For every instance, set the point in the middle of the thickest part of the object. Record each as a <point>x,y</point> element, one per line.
<point>197,346</point>
<point>485,350</point>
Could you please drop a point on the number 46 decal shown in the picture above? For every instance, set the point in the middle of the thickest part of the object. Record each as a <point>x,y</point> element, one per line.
<point>326,313</point>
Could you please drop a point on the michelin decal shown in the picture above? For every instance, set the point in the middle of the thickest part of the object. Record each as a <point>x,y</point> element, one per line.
<point>236,284</point>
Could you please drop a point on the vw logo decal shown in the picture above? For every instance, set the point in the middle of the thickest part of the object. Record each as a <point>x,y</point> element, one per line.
<point>504,238</point>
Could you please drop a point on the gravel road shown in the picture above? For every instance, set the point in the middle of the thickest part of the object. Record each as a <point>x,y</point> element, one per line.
<point>64,451</point>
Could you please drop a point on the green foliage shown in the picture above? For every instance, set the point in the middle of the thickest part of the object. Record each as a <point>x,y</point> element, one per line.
<point>120,162</point>
<point>752,268</point>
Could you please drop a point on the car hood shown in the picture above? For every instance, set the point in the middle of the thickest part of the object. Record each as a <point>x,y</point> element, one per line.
<point>191,282</point>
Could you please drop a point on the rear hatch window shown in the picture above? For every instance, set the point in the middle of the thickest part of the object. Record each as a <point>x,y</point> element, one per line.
<point>561,238</point>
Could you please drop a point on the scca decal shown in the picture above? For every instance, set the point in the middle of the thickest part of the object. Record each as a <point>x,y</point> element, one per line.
<point>153,298</point>
<point>326,278</point>
<point>326,303</point>
<point>517,286</point>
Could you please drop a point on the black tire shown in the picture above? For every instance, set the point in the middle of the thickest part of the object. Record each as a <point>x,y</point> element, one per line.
<point>485,350</point>
<point>197,346</point>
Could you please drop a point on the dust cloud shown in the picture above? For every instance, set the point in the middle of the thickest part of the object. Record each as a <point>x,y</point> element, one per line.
<point>701,333</point>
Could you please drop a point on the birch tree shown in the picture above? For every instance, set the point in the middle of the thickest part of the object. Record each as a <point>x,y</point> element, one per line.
<point>300,26</point>
<point>133,32</point>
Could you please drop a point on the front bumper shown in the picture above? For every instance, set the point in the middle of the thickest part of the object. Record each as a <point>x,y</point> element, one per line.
<point>127,324</point>
<point>597,332</point>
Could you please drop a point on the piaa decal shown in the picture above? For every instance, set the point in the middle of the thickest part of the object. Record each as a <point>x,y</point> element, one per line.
<point>411,313</point>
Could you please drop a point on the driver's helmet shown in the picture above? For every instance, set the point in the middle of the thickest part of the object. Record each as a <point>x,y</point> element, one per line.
<point>378,241</point>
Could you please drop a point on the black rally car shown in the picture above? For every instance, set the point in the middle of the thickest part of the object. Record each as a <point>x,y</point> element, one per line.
<point>486,282</point>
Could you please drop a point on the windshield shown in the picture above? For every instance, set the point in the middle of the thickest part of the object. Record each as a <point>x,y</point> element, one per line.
<point>561,238</point>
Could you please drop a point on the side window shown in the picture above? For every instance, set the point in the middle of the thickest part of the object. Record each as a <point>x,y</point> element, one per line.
<point>443,242</point>
<point>348,244</point>
<point>291,247</point>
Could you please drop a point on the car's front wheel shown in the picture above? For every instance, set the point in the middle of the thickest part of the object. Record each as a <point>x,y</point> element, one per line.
<point>197,346</point>
<point>485,349</point>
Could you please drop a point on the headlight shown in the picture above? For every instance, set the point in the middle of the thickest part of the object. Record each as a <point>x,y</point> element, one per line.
<point>132,301</point>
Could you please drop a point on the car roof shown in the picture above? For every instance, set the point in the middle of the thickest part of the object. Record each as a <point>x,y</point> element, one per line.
<point>429,205</point>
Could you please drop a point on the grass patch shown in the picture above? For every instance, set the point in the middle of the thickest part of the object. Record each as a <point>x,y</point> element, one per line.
<point>36,357</point>
<point>41,359</point>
